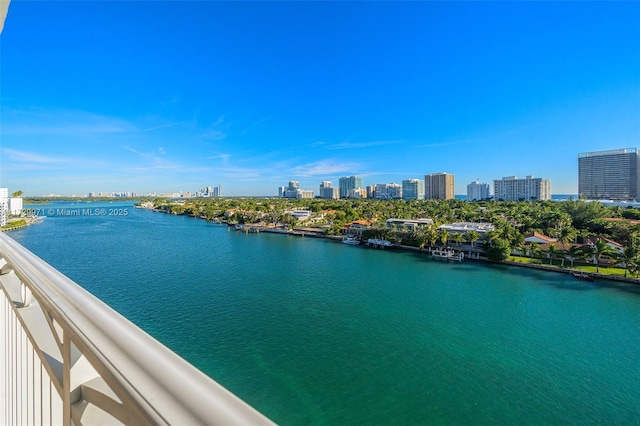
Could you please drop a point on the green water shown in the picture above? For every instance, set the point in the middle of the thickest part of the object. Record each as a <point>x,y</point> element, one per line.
<point>311,331</point>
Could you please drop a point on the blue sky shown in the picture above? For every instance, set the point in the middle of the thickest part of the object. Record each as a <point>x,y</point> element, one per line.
<point>169,96</point>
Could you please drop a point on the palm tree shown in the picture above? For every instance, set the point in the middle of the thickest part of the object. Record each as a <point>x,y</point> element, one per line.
<point>472,236</point>
<point>535,250</point>
<point>566,235</point>
<point>553,252</point>
<point>601,249</point>
<point>629,256</point>
<point>431,236</point>
<point>574,252</point>
<point>456,238</point>
<point>444,236</point>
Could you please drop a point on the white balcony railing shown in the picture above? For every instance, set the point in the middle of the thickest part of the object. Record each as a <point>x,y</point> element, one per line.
<point>67,358</point>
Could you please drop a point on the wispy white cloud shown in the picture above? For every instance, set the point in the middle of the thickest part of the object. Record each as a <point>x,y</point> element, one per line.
<point>60,122</point>
<point>152,161</point>
<point>242,173</point>
<point>213,135</point>
<point>29,157</point>
<point>323,168</point>
<point>356,145</point>
<point>446,143</point>
<point>223,157</point>
<point>20,160</point>
<point>163,126</point>
<point>216,130</point>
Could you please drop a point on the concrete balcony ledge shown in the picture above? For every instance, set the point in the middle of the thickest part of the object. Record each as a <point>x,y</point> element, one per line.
<point>70,359</point>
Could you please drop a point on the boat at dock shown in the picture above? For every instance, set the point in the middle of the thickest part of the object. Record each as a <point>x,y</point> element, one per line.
<point>375,242</point>
<point>582,276</point>
<point>447,254</point>
<point>351,241</point>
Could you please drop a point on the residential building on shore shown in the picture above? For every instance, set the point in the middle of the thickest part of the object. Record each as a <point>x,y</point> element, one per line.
<point>439,186</point>
<point>411,224</point>
<point>15,205</point>
<point>477,191</point>
<point>463,227</point>
<point>610,175</point>
<point>328,191</point>
<point>347,183</point>
<point>511,188</point>
<point>412,189</point>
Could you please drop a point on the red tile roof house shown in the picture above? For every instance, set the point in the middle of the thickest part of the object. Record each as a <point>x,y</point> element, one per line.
<point>541,240</point>
<point>536,237</point>
<point>591,242</point>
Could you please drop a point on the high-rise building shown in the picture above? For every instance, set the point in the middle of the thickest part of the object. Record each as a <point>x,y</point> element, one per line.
<point>388,191</point>
<point>610,174</point>
<point>348,183</point>
<point>294,191</point>
<point>217,191</point>
<point>511,188</point>
<point>412,189</point>
<point>371,191</point>
<point>357,193</point>
<point>15,205</point>
<point>477,191</point>
<point>328,191</point>
<point>439,186</point>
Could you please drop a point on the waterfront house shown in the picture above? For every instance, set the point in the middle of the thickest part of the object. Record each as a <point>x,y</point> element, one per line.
<point>355,228</point>
<point>536,237</point>
<point>591,242</point>
<point>300,215</point>
<point>617,248</point>
<point>411,224</point>
<point>463,227</point>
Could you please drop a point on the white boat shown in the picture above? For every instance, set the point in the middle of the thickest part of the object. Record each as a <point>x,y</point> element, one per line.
<point>351,241</point>
<point>447,254</point>
<point>379,243</point>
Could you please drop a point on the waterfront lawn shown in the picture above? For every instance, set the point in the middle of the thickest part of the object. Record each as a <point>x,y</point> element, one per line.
<point>15,224</point>
<point>567,265</point>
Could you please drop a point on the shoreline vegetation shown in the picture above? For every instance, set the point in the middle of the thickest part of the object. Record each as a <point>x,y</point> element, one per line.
<point>586,239</point>
<point>19,223</point>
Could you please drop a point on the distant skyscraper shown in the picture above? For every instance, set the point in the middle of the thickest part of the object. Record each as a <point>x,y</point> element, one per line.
<point>294,191</point>
<point>348,183</point>
<point>327,191</point>
<point>438,186</point>
<point>388,191</point>
<point>412,189</point>
<point>511,188</point>
<point>610,174</point>
<point>477,191</point>
<point>371,191</point>
<point>357,193</point>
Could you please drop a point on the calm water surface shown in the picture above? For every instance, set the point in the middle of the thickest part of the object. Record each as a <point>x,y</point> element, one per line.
<point>310,331</point>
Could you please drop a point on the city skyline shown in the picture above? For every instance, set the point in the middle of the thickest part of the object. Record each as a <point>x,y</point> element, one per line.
<point>170,96</point>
